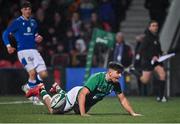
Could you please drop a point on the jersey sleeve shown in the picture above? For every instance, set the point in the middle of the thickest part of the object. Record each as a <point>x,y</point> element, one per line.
<point>117,88</point>
<point>91,83</point>
<point>12,28</point>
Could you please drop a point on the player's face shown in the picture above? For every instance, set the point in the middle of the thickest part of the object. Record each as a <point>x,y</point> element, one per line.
<point>114,75</point>
<point>26,12</point>
<point>153,27</point>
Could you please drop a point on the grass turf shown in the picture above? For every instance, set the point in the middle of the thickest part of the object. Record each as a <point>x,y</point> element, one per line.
<point>106,111</point>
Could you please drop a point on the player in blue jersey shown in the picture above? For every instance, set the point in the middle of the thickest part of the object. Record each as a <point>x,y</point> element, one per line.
<point>24,29</point>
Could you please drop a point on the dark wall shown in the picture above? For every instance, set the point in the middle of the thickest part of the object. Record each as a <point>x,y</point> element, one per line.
<point>11,81</point>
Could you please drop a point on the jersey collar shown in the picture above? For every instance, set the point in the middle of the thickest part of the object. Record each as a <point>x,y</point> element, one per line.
<point>24,18</point>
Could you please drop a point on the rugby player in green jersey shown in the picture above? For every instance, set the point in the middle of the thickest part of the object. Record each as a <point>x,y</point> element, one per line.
<point>82,98</point>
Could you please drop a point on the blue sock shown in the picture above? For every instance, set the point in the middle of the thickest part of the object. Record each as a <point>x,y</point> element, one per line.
<point>31,83</point>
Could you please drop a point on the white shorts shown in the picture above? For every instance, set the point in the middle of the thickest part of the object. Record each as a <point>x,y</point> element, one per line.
<point>31,59</point>
<point>71,98</point>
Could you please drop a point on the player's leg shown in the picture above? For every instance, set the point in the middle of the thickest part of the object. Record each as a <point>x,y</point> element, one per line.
<point>40,67</point>
<point>147,69</point>
<point>71,98</point>
<point>146,75</point>
<point>41,71</point>
<point>42,75</point>
<point>47,100</point>
<point>32,78</point>
<point>26,57</point>
<point>55,88</point>
<point>40,90</point>
<point>161,82</point>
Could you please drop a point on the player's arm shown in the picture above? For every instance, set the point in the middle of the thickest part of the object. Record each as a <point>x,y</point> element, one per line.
<point>38,37</point>
<point>82,100</point>
<point>13,27</point>
<point>89,87</point>
<point>126,105</point>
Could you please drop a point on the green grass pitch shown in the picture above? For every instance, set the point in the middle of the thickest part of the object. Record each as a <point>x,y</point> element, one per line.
<point>106,111</point>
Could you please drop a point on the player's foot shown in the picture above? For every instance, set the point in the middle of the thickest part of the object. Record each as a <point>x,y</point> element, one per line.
<point>25,88</point>
<point>54,88</point>
<point>35,90</point>
<point>35,100</point>
<point>158,99</point>
<point>164,99</point>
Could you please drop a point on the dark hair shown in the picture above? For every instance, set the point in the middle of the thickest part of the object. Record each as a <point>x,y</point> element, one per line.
<point>116,66</point>
<point>26,4</point>
<point>152,21</point>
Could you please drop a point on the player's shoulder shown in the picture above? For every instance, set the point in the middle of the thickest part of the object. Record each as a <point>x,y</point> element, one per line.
<point>99,74</point>
<point>33,19</point>
<point>20,18</point>
<point>16,20</point>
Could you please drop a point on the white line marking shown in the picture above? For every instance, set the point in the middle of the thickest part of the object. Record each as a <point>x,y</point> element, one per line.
<point>15,102</point>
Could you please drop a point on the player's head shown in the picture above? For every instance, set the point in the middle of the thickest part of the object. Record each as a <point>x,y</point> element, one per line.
<point>26,9</point>
<point>115,71</point>
<point>153,26</point>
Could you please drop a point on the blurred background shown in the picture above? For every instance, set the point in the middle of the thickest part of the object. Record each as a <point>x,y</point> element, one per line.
<point>67,27</point>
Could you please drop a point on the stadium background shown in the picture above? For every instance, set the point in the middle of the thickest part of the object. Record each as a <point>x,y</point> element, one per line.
<point>60,46</point>
<point>66,63</point>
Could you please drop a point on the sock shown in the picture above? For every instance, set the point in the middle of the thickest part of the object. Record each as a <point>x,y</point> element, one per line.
<point>162,88</point>
<point>44,94</point>
<point>38,79</point>
<point>59,90</point>
<point>31,83</point>
<point>157,87</point>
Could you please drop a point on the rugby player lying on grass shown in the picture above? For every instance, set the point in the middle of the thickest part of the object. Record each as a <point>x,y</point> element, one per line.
<point>82,98</point>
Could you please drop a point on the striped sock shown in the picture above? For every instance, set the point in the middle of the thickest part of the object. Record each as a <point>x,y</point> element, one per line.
<point>44,94</point>
<point>61,91</point>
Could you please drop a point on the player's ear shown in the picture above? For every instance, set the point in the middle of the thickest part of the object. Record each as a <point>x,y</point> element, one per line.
<point>21,10</point>
<point>109,73</point>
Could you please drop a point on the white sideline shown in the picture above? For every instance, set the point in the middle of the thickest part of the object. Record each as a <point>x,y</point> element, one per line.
<point>14,102</point>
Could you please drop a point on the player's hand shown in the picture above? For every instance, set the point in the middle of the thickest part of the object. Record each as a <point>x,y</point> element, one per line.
<point>155,58</point>
<point>85,115</point>
<point>136,114</point>
<point>11,50</point>
<point>38,38</point>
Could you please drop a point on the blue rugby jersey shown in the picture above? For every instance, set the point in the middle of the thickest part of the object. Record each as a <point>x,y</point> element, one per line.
<point>24,32</point>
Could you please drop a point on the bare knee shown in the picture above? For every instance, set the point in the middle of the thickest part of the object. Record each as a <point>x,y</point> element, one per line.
<point>144,80</point>
<point>43,74</point>
<point>145,77</point>
<point>161,72</point>
<point>162,76</point>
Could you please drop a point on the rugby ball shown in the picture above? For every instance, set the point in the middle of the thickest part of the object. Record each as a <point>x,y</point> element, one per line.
<point>58,100</point>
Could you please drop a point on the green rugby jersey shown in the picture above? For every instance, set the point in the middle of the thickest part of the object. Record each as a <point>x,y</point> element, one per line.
<point>99,87</point>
